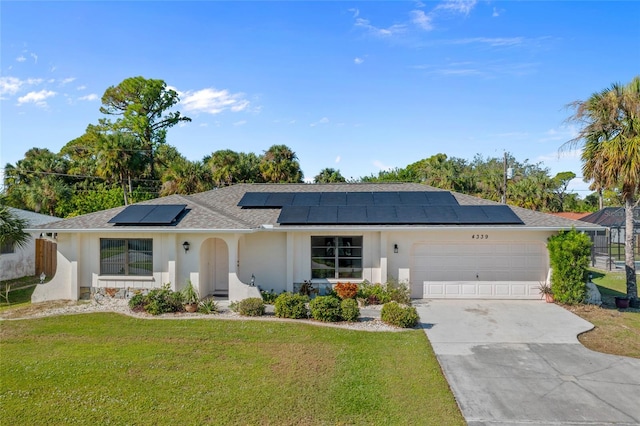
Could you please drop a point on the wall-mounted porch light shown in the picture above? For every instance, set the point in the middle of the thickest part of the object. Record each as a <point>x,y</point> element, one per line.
<point>186,246</point>
<point>253,280</point>
<point>395,248</point>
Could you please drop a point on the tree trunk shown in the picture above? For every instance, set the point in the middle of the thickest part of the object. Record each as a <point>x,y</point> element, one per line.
<point>629,260</point>
<point>600,199</point>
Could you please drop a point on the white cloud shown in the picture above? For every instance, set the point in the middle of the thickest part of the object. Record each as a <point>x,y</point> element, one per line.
<point>562,134</point>
<point>240,123</point>
<point>420,4</point>
<point>457,6</point>
<point>81,87</point>
<point>213,101</point>
<point>421,19</point>
<point>10,85</point>
<point>491,41</point>
<point>35,57</point>
<point>67,80</point>
<point>358,61</point>
<point>355,12</point>
<point>21,58</point>
<point>338,159</point>
<point>380,32</point>
<point>497,12</point>
<point>37,98</point>
<point>323,120</point>
<point>90,97</point>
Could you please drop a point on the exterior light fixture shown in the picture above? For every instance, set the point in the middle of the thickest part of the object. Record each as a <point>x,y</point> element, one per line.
<point>395,248</point>
<point>253,280</point>
<point>186,246</point>
<point>43,276</point>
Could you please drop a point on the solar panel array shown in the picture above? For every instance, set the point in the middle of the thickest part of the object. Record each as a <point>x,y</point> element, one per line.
<point>398,215</point>
<point>150,214</point>
<point>282,199</point>
<point>377,208</point>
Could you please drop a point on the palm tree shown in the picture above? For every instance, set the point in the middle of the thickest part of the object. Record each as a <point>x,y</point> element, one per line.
<point>280,165</point>
<point>11,228</point>
<point>186,177</point>
<point>610,134</point>
<point>329,175</point>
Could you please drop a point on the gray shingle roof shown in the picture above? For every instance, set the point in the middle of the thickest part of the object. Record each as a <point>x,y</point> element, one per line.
<point>218,209</point>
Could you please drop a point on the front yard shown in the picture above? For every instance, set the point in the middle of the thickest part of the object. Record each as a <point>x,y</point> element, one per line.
<point>106,368</point>
<point>616,331</point>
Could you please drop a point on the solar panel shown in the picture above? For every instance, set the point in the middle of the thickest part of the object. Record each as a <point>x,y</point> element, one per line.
<point>441,215</point>
<point>352,214</point>
<point>149,214</point>
<point>291,215</point>
<point>501,215</point>
<point>472,215</point>
<point>441,198</point>
<point>333,199</point>
<point>306,199</point>
<point>132,214</point>
<point>323,215</point>
<point>412,198</point>
<point>381,215</point>
<point>359,198</point>
<point>254,199</point>
<point>279,199</point>
<point>411,214</point>
<point>386,198</point>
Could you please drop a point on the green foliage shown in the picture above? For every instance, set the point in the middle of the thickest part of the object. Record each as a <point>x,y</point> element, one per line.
<point>398,291</point>
<point>326,308</point>
<point>251,307</point>
<point>373,294</point>
<point>289,305</point>
<point>208,306</point>
<point>569,253</point>
<point>399,315</point>
<point>269,297</point>
<point>329,175</point>
<point>190,294</point>
<point>349,310</point>
<point>12,228</point>
<point>158,301</point>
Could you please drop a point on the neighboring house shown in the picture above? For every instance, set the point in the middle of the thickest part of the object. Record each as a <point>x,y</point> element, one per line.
<point>442,244</point>
<point>613,218</point>
<point>17,262</point>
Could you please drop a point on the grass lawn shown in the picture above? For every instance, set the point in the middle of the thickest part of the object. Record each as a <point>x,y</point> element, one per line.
<point>616,331</point>
<point>106,368</point>
<point>20,291</point>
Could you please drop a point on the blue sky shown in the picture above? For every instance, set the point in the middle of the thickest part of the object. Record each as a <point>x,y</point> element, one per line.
<point>357,86</point>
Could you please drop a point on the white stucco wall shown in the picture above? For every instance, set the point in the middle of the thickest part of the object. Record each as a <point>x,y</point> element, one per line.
<point>20,263</point>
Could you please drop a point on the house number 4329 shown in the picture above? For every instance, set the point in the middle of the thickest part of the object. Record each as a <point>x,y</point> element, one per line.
<point>480,237</point>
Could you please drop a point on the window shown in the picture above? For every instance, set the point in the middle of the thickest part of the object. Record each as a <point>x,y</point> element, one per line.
<point>126,257</point>
<point>336,257</point>
<point>7,247</point>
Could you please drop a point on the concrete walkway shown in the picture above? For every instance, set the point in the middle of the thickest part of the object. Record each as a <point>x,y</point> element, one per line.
<point>519,362</point>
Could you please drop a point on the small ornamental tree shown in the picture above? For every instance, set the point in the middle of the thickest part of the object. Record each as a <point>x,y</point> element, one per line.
<point>569,253</point>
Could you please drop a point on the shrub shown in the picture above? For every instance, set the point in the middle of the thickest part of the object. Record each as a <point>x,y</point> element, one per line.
<point>326,308</point>
<point>190,294</point>
<point>289,305</point>
<point>269,297</point>
<point>157,301</point>
<point>346,290</point>
<point>398,292</point>
<point>349,310</point>
<point>137,302</point>
<point>208,306</point>
<point>399,315</point>
<point>251,307</point>
<point>374,294</point>
<point>569,253</point>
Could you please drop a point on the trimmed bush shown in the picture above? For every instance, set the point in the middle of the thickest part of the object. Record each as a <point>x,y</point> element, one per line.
<point>374,294</point>
<point>251,307</point>
<point>268,296</point>
<point>326,308</point>
<point>398,292</point>
<point>349,310</point>
<point>158,301</point>
<point>569,254</point>
<point>289,305</point>
<point>399,315</point>
<point>346,290</point>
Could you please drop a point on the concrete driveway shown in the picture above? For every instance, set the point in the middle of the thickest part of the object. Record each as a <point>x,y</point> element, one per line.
<point>519,362</point>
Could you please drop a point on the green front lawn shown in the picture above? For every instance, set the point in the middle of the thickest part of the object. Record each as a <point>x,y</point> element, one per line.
<point>112,369</point>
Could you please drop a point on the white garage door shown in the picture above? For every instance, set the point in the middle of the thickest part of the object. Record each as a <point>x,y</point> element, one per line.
<point>481,270</point>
